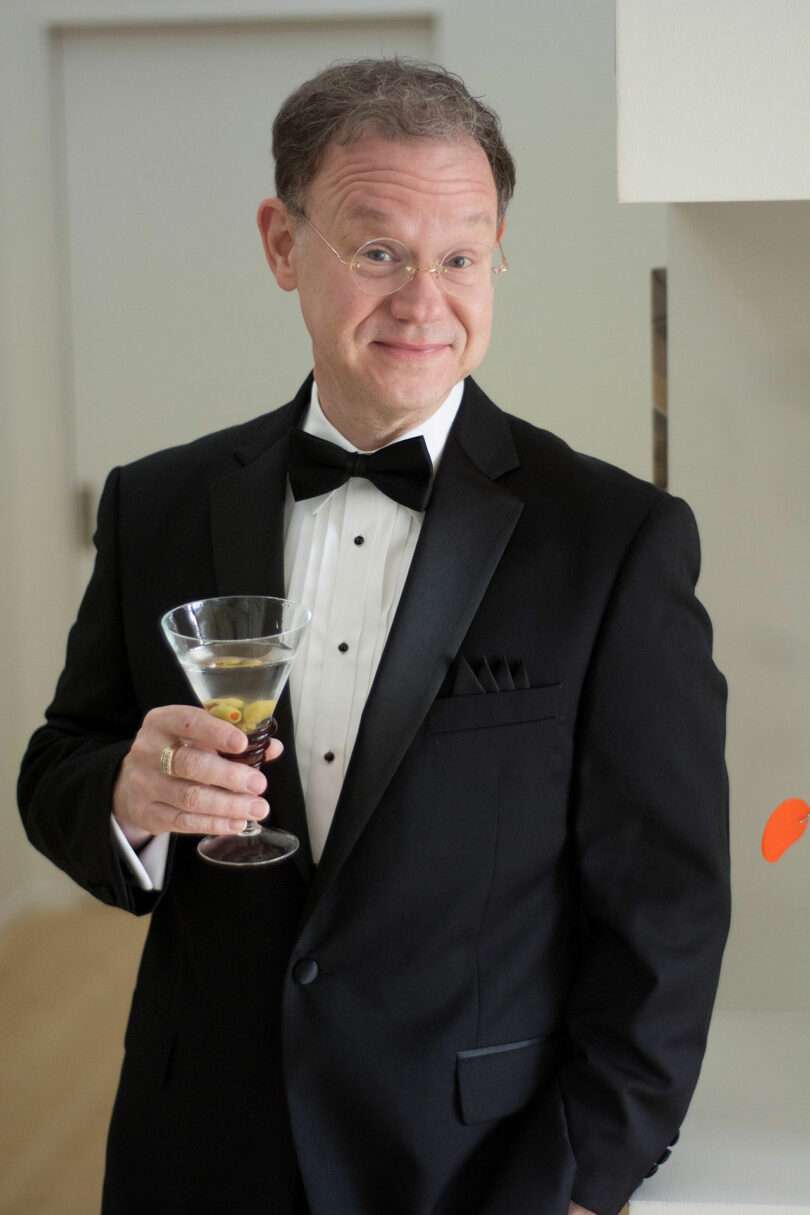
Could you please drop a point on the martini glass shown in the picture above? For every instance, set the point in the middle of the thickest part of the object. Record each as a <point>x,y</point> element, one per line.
<point>236,652</point>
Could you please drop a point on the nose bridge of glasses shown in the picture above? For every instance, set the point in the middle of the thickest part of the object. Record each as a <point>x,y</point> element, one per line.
<point>435,273</point>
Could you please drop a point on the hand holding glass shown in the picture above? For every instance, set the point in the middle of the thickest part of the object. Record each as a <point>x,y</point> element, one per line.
<point>236,652</point>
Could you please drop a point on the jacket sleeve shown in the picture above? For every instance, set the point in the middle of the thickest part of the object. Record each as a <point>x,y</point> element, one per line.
<point>71,763</point>
<point>651,854</point>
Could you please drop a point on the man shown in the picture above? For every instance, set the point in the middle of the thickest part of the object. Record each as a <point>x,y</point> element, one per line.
<point>484,983</point>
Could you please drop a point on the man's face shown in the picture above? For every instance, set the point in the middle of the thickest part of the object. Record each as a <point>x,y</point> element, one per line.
<point>402,352</point>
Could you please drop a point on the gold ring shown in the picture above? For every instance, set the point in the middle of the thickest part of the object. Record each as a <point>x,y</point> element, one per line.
<point>167,758</point>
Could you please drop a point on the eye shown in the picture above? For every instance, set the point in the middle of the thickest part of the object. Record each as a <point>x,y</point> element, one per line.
<point>458,261</point>
<point>380,255</point>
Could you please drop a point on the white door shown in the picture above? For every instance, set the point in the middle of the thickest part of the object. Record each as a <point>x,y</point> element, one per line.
<point>175,325</point>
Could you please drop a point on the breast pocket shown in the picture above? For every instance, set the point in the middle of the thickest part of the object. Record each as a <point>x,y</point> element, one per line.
<point>478,711</point>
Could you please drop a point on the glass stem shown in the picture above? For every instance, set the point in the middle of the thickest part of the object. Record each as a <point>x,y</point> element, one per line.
<point>253,755</point>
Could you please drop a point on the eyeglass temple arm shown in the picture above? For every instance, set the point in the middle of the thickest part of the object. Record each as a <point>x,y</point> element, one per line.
<point>318,232</point>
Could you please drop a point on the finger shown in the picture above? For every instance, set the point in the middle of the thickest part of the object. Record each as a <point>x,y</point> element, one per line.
<point>274,751</point>
<point>169,818</point>
<point>193,799</point>
<point>194,724</point>
<point>207,768</point>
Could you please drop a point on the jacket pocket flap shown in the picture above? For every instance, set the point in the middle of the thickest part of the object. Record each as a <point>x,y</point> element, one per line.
<point>494,1081</point>
<point>479,710</point>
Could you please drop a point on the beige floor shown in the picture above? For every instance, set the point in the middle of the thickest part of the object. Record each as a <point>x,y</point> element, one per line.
<point>65,983</point>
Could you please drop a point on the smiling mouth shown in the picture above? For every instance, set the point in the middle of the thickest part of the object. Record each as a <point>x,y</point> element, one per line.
<point>413,349</point>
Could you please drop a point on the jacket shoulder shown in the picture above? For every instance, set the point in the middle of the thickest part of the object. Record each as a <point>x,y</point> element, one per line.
<point>540,467</point>
<point>581,474</point>
<point>587,501</point>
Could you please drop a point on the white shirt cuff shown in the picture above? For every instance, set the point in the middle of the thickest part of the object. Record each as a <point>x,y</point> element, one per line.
<point>149,866</point>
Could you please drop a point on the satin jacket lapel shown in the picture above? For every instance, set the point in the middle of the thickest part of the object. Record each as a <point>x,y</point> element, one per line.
<point>467,526</point>
<point>247,531</point>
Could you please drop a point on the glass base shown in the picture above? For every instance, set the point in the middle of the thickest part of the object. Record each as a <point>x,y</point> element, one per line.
<point>265,846</point>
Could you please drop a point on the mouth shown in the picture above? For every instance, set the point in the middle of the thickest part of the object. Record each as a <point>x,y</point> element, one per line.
<point>412,350</point>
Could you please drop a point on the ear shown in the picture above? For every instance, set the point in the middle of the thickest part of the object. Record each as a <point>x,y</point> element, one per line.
<point>501,230</point>
<point>278,240</point>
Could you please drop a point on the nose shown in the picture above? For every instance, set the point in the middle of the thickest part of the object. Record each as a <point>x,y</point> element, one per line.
<point>421,301</point>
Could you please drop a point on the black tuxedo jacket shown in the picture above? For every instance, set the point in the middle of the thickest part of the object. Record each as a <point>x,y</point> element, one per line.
<point>493,993</point>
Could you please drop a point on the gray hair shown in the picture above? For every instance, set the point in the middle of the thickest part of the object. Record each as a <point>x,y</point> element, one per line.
<point>395,98</point>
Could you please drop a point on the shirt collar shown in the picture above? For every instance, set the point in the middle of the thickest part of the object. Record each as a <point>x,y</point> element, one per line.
<point>435,429</point>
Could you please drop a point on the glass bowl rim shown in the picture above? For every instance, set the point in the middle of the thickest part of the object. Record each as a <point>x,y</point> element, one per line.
<point>167,628</point>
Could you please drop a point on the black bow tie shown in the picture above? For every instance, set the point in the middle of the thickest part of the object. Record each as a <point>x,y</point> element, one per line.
<point>402,470</point>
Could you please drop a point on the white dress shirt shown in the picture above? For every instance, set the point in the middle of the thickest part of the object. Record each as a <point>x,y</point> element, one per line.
<point>346,556</point>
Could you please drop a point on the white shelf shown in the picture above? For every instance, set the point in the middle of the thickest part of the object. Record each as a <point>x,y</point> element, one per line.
<point>713,100</point>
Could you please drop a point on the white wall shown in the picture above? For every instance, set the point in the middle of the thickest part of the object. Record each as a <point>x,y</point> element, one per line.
<point>571,349</point>
<point>39,544</point>
<point>739,360</point>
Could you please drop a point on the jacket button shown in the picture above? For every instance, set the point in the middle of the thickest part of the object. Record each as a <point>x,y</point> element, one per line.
<point>305,971</point>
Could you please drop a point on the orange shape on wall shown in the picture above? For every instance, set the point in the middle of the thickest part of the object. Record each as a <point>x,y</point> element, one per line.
<point>787,823</point>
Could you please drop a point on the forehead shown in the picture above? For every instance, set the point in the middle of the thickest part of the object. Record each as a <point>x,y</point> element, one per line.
<point>374,178</point>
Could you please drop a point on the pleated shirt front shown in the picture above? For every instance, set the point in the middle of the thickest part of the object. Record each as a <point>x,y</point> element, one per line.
<point>346,557</point>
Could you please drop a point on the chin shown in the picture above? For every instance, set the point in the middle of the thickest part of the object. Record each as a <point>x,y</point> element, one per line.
<point>416,391</point>
<point>418,400</point>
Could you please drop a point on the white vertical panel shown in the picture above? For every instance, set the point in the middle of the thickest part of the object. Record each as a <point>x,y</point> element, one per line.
<point>739,364</point>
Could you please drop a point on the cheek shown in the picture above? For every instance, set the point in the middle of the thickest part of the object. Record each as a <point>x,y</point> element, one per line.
<point>332,315</point>
<point>477,321</point>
